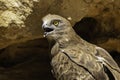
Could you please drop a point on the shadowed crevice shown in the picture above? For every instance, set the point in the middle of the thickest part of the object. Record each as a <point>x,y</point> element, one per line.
<point>116,56</point>
<point>86,28</point>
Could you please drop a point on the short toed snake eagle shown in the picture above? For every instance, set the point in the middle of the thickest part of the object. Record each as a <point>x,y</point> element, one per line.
<point>74,58</point>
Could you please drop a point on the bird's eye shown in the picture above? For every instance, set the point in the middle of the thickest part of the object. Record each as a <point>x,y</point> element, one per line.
<point>56,23</point>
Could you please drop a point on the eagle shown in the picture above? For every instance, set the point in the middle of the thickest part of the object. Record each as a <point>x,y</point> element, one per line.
<point>73,58</point>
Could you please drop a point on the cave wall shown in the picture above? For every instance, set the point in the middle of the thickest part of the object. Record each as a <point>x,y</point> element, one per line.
<point>24,51</point>
<point>21,20</point>
<point>26,61</point>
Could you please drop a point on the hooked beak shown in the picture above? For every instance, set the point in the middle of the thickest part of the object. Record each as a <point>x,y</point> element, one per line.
<point>47,30</point>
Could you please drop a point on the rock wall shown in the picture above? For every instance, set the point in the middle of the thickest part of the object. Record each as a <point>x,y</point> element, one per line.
<point>26,61</point>
<point>20,20</point>
<point>97,21</point>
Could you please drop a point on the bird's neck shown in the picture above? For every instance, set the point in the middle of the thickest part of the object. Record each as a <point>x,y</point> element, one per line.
<point>69,38</point>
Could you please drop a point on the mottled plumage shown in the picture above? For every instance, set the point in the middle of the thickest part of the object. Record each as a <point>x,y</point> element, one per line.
<point>74,58</point>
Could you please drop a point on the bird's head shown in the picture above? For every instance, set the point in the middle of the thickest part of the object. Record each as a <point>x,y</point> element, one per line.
<point>55,26</point>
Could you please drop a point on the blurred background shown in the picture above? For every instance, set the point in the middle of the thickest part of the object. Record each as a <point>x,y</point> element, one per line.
<point>24,53</point>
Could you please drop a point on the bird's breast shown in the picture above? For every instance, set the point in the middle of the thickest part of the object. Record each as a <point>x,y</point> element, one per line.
<point>64,69</point>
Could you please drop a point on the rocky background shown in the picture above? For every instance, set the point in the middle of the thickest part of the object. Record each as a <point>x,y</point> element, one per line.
<point>24,52</point>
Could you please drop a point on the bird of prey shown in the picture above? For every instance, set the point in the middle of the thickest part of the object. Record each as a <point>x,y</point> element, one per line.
<point>74,58</point>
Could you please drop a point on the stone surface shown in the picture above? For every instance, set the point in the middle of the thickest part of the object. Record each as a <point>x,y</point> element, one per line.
<point>26,61</point>
<point>26,23</point>
<point>97,21</point>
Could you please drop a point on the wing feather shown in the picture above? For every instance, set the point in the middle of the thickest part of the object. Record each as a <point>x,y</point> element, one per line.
<point>88,62</point>
<point>94,63</point>
<point>109,62</point>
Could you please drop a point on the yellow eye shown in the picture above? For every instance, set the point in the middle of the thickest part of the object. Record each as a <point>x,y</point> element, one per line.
<point>56,23</point>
